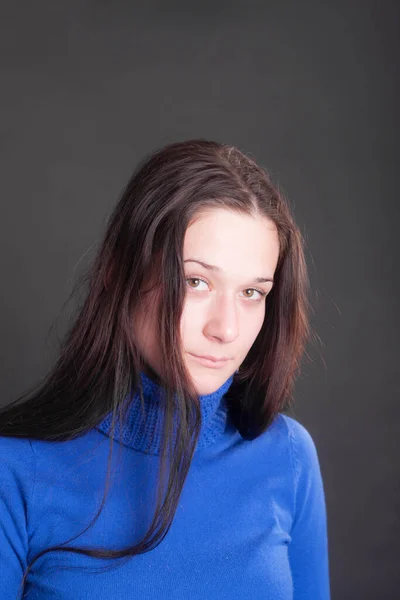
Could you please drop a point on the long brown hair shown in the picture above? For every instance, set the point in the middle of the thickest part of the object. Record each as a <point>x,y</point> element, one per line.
<point>99,361</point>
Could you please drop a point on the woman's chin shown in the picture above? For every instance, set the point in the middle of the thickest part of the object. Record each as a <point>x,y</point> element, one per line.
<point>208,383</point>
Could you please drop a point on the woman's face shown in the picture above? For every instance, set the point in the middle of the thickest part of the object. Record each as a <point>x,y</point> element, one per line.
<point>224,307</point>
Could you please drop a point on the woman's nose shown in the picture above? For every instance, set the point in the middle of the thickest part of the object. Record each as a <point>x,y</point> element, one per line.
<point>223,321</point>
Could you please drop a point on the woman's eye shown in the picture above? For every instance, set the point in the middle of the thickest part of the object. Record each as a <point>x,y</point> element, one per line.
<point>257,294</point>
<point>195,279</point>
<point>254,293</point>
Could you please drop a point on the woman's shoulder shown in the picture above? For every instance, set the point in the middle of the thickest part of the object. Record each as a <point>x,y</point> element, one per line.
<point>290,430</point>
<point>16,455</point>
<point>297,432</point>
<point>303,449</point>
<point>28,467</point>
<point>17,477</point>
<point>20,456</point>
<point>287,442</point>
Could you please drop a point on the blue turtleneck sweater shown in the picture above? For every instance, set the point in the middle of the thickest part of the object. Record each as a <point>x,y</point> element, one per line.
<point>251,519</point>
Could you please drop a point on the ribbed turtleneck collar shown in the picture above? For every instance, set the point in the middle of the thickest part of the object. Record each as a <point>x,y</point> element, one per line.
<point>143,432</point>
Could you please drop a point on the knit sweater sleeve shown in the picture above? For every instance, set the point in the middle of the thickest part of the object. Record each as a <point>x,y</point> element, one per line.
<point>17,468</point>
<point>308,549</point>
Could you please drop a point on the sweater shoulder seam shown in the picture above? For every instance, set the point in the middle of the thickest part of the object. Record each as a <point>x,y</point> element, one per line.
<point>293,461</point>
<point>30,501</point>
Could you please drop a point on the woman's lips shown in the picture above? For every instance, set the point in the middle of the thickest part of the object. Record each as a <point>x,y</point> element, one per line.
<point>207,362</point>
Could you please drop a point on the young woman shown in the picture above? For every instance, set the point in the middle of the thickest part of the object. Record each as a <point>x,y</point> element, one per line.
<point>156,459</point>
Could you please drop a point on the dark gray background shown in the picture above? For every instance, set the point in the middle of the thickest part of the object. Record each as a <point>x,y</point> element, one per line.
<point>311,91</point>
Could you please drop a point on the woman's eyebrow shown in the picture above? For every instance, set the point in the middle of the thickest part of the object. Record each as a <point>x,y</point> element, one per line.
<point>218,269</point>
